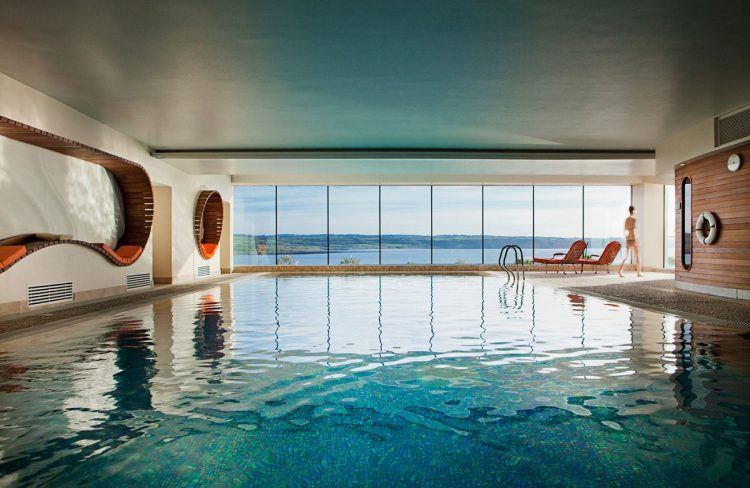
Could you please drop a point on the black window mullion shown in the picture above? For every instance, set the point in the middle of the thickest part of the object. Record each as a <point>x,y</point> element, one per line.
<point>482,261</point>
<point>533,222</point>
<point>583,213</point>
<point>328,225</point>
<point>431,223</point>
<point>276,222</point>
<point>380,225</point>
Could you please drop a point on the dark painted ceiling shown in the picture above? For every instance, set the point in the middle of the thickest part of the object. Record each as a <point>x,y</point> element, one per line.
<point>386,74</point>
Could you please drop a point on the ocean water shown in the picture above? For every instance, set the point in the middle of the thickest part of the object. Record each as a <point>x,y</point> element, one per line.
<point>397,256</point>
<point>377,381</point>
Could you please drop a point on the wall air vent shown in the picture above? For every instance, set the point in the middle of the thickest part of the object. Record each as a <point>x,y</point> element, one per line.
<point>203,271</point>
<point>134,281</point>
<point>732,126</point>
<point>49,293</point>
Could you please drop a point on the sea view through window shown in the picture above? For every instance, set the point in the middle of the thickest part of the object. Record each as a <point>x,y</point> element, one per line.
<point>389,224</point>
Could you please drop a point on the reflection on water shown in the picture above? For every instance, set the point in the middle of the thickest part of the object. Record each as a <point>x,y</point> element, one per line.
<point>209,334</point>
<point>378,380</point>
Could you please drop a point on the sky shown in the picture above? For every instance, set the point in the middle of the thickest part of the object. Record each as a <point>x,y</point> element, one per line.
<point>456,210</point>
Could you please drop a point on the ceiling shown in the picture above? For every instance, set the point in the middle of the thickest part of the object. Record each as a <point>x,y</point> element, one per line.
<point>385,74</point>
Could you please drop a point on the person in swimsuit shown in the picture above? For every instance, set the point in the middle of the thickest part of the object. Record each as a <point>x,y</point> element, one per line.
<point>631,244</point>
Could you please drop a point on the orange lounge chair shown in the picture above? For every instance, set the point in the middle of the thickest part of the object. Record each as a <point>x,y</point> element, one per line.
<point>606,258</point>
<point>571,257</point>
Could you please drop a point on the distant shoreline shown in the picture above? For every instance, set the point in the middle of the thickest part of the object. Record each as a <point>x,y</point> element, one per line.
<point>360,243</point>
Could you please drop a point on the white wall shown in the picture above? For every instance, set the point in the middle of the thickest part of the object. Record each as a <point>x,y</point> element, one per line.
<point>227,232</point>
<point>648,200</point>
<point>87,270</point>
<point>692,143</point>
<point>161,234</point>
<point>52,193</point>
<point>428,171</point>
<point>92,275</point>
<point>687,144</point>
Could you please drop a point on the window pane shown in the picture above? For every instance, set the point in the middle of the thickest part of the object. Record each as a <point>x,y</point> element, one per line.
<point>606,208</point>
<point>406,224</point>
<point>669,235</point>
<point>302,225</point>
<point>354,224</point>
<point>254,222</point>
<point>457,224</point>
<point>557,219</point>
<point>508,219</point>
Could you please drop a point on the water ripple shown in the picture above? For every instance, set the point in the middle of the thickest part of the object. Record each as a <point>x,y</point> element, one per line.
<point>398,380</point>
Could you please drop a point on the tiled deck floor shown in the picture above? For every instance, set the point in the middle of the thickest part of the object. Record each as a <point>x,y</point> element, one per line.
<point>661,295</point>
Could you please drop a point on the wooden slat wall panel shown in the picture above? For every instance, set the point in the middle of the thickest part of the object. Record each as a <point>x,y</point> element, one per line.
<point>131,178</point>
<point>725,263</point>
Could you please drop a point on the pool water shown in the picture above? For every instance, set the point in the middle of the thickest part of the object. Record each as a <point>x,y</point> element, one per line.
<point>378,381</point>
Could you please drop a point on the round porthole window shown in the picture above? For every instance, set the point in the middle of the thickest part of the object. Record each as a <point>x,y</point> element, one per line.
<point>208,221</point>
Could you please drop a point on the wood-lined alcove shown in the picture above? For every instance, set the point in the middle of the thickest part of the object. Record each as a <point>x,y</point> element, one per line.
<point>132,180</point>
<point>208,222</point>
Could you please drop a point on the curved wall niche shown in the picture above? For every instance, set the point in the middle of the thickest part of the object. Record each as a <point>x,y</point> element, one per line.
<point>132,180</point>
<point>207,222</point>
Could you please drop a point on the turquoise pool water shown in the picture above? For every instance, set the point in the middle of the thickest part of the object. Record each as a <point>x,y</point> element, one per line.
<point>377,381</point>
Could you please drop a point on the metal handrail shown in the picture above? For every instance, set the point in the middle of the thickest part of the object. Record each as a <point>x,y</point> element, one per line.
<point>502,262</point>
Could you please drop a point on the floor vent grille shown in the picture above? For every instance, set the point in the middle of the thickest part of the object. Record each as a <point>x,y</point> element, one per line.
<point>203,271</point>
<point>49,293</point>
<point>137,281</point>
<point>733,126</point>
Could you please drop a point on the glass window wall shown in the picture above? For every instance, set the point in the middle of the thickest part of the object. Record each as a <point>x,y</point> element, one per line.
<point>508,219</point>
<point>669,222</point>
<point>254,225</point>
<point>405,220</point>
<point>354,224</point>
<point>558,219</point>
<point>606,209</point>
<point>340,225</point>
<point>457,225</point>
<point>302,225</point>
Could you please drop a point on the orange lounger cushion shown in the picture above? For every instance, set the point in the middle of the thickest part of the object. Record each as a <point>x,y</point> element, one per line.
<point>9,254</point>
<point>548,260</point>
<point>129,252</point>
<point>208,249</point>
<point>124,254</point>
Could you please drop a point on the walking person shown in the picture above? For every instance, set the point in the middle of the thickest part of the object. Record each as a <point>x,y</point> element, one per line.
<point>631,243</point>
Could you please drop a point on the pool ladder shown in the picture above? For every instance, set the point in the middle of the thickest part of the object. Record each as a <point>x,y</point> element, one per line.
<point>513,275</point>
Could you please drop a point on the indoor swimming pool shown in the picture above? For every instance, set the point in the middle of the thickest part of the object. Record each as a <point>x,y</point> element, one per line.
<point>386,380</point>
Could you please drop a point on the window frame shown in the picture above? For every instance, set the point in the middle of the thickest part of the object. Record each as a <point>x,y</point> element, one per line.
<point>483,229</point>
